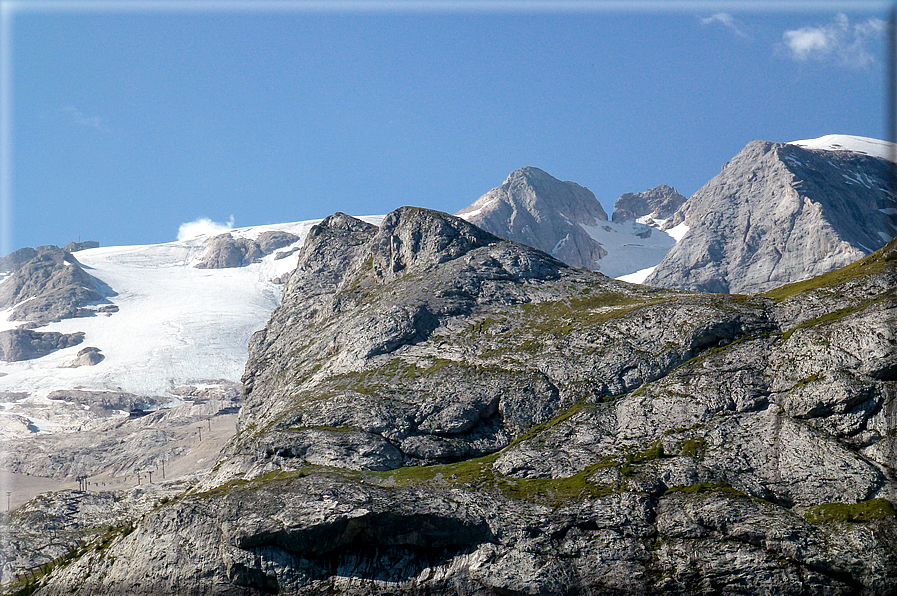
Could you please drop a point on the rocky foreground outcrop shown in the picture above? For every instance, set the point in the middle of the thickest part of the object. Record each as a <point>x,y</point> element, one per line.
<point>779,213</point>
<point>434,410</point>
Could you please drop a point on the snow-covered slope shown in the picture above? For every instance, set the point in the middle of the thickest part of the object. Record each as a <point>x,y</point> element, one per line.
<point>854,144</point>
<point>176,324</point>
<point>632,246</point>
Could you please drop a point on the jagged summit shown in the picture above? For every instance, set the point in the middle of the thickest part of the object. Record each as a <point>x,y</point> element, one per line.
<point>565,220</point>
<point>412,238</point>
<point>779,213</point>
<point>535,190</point>
<point>656,203</point>
<point>537,209</point>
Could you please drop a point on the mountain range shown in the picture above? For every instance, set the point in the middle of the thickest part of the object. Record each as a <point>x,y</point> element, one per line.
<point>433,406</point>
<point>776,213</point>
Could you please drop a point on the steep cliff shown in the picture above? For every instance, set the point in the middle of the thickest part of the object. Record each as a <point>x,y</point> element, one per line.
<point>779,213</point>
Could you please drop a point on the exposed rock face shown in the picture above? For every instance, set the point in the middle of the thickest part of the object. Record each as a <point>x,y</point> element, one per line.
<point>539,210</point>
<point>25,344</point>
<point>271,241</point>
<point>659,202</point>
<point>48,286</point>
<point>590,436</point>
<point>87,357</point>
<point>226,251</point>
<point>777,214</point>
<point>76,246</point>
<point>107,400</point>
<point>17,258</point>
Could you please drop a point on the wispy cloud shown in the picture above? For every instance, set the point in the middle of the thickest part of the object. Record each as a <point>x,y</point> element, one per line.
<point>203,226</point>
<point>726,20</point>
<point>837,42</point>
<point>79,118</point>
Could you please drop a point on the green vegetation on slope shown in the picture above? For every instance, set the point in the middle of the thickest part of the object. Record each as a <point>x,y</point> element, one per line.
<point>863,511</point>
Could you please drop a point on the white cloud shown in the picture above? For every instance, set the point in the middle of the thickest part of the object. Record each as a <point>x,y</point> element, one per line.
<point>838,42</point>
<point>79,118</point>
<point>727,21</point>
<point>203,226</point>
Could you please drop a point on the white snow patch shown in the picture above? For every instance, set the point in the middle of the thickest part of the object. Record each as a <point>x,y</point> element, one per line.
<point>558,245</point>
<point>889,211</point>
<point>176,325</point>
<point>885,237</point>
<point>855,144</point>
<point>466,216</point>
<point>628,253</point>
<point>678,232</point>
<point>639,276</point>
<point>5,323</point>
<point>650,220</point>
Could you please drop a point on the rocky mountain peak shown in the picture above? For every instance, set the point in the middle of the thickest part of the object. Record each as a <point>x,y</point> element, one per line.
<point>411,238</point>
<point>779,213</point>
<point>538,191</point>
<point>536,209</point>
<point>659,202</point>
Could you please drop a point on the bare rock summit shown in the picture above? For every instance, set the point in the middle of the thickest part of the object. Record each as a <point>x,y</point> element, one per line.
<point>536,209</point>
<point>659,202</point>
<point>779,213</point>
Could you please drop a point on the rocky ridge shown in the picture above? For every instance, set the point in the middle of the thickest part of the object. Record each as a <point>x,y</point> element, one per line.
<point>48,284</point>
<point>779,213</point>
<point>433,409</point>
<point>659,202</point>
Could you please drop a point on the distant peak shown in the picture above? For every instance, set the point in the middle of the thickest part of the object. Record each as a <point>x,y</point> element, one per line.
<point>854,144</point>
<point>530,172</point>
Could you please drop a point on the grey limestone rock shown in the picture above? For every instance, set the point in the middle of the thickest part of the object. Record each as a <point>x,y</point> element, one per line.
<point>24,344</point>
<point>89,356</point>
<point>659,202</point>
<point>778,214</point>
<point>76,246</point>
<point>225,251</point>
<point>539,210</point>
<point>434,410</point>
<point>49,286</point>
<point>108,400</point>
<point>274,240</point>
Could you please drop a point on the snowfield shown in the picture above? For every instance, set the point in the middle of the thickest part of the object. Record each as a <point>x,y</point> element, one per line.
<point>864,145</point>
<point>176,324</point>
<point>627,252</point>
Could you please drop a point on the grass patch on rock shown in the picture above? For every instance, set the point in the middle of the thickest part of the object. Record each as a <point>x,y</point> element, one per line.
<point>705,487</point>
<point>864,511</point>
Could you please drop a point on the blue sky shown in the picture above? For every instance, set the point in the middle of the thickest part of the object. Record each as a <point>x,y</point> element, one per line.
<point>121,124</point>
